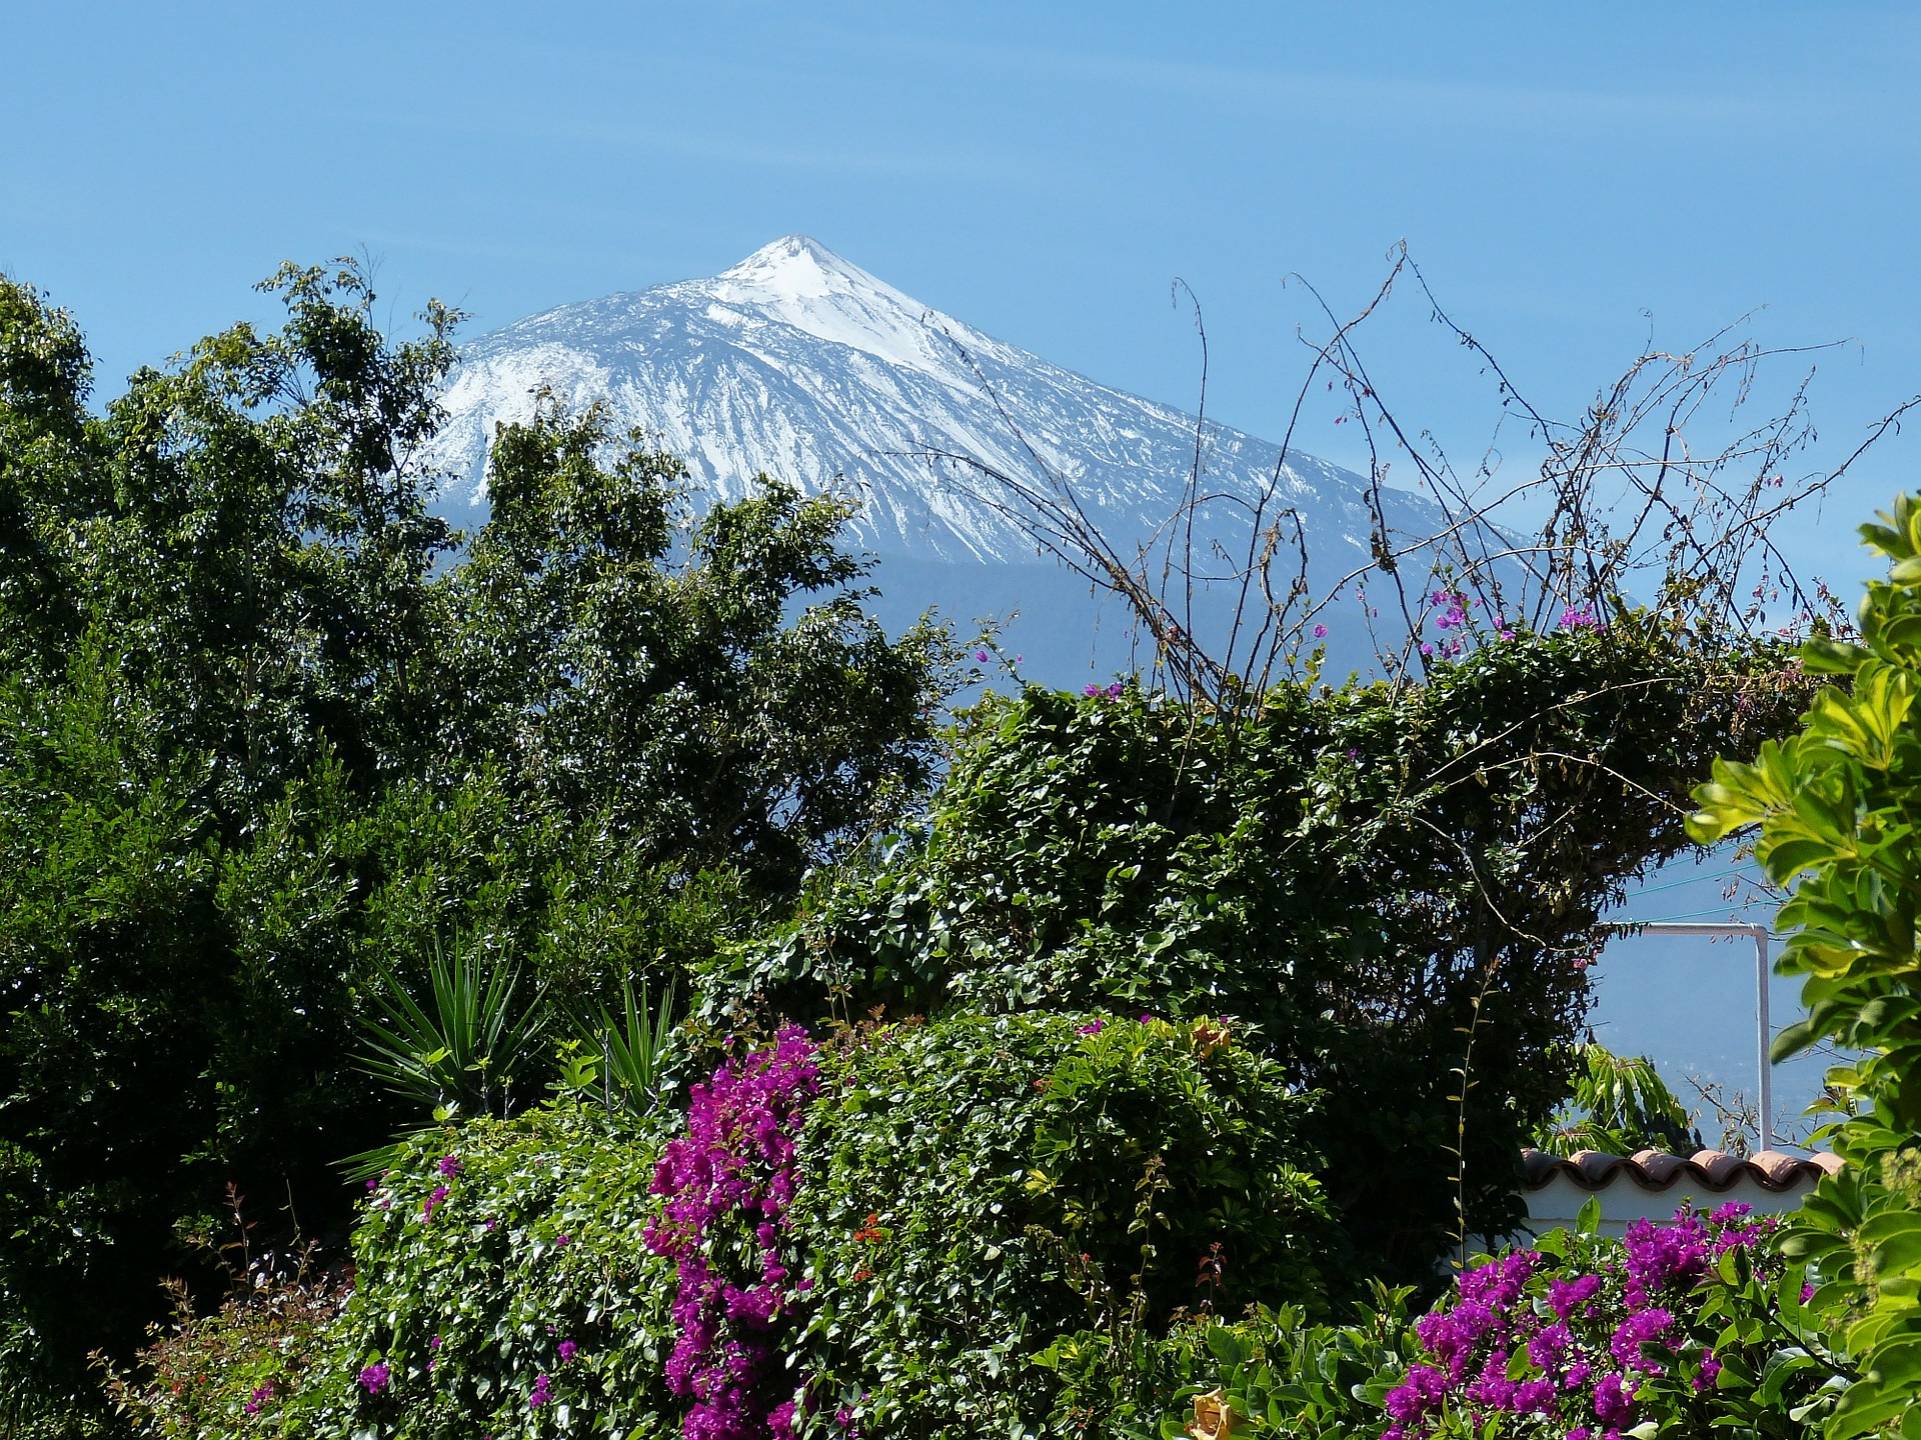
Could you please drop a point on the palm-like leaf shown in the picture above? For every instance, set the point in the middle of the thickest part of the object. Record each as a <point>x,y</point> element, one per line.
<point>1620,1104</point>
<point>463,1055</point>
<point>632,1046</point>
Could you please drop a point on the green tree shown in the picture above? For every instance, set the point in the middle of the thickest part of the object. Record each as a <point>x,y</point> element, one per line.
<point>112,971</point>
<point>266,729</point>
<point>250,528</point>
<point>711,687</point>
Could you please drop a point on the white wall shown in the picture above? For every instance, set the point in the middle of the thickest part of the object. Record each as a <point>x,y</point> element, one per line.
<point>1623,1200</point>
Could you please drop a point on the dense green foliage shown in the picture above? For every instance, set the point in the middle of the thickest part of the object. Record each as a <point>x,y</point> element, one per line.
<point>974,1187</point>
<point>1836,807</point>
<point>1269,1372</point>
<point>532,1261</point>
<point>267,728</point>
<point>506,1261</point>
<point>1361,875</point>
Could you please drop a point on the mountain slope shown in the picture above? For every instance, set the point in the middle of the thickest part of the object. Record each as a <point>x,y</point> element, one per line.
<point>796,363</point>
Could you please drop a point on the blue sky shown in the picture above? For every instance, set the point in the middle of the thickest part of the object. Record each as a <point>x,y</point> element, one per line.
<point>1574,181</point>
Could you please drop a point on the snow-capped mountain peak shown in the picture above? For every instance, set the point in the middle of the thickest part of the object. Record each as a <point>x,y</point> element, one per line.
<point>795,269</point>
<point>798,281</point>
<point>796,362</point>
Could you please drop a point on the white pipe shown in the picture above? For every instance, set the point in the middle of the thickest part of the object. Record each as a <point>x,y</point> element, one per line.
<point>1763,1035</point>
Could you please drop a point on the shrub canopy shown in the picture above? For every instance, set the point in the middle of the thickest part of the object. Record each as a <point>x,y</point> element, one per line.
<point>1366,878</point>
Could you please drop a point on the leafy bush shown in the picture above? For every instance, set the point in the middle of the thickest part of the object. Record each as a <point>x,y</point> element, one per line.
<point>977,1187</point>
<point>503,1286</point>
<point>1361,873</point>
<point>251,1366</point>
<point>533,1263</point>
<point>1836,807</point>
<point>901,1253</point>
<point>1267,1373</point>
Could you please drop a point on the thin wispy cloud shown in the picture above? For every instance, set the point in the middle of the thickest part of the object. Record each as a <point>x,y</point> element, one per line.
<point>1357,97</point>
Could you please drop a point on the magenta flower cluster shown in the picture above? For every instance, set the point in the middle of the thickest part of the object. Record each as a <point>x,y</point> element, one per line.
<point>728,1183</point>
<point>1452,619</point>
<point>1563,1348</point>
<point>1110,691</point>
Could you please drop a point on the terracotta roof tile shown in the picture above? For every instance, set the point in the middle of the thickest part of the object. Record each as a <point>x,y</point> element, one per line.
<point>1655,1170</point>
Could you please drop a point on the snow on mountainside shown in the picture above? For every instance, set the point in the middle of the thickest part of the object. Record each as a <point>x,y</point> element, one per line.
<point>798,364</point>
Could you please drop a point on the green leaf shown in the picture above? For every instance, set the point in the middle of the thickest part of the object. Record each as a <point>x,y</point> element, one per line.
<point>1588,1221</point>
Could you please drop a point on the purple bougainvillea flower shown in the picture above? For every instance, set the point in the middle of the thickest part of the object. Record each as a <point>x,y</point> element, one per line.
<point>981,656</point>
<point>1613,1400</point>
<point>1710,1367</point>
<point>1564,1297</point>
<point>567,1350</point>
<point>1640,1328</point>
<point>1425,1389</point>
<point>376,1378</point>
<point>735,1163</point>
<point>450,1166</point>
<point>561,1242</point>
<point>1320,632</point>
<point>1092,1027</point>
